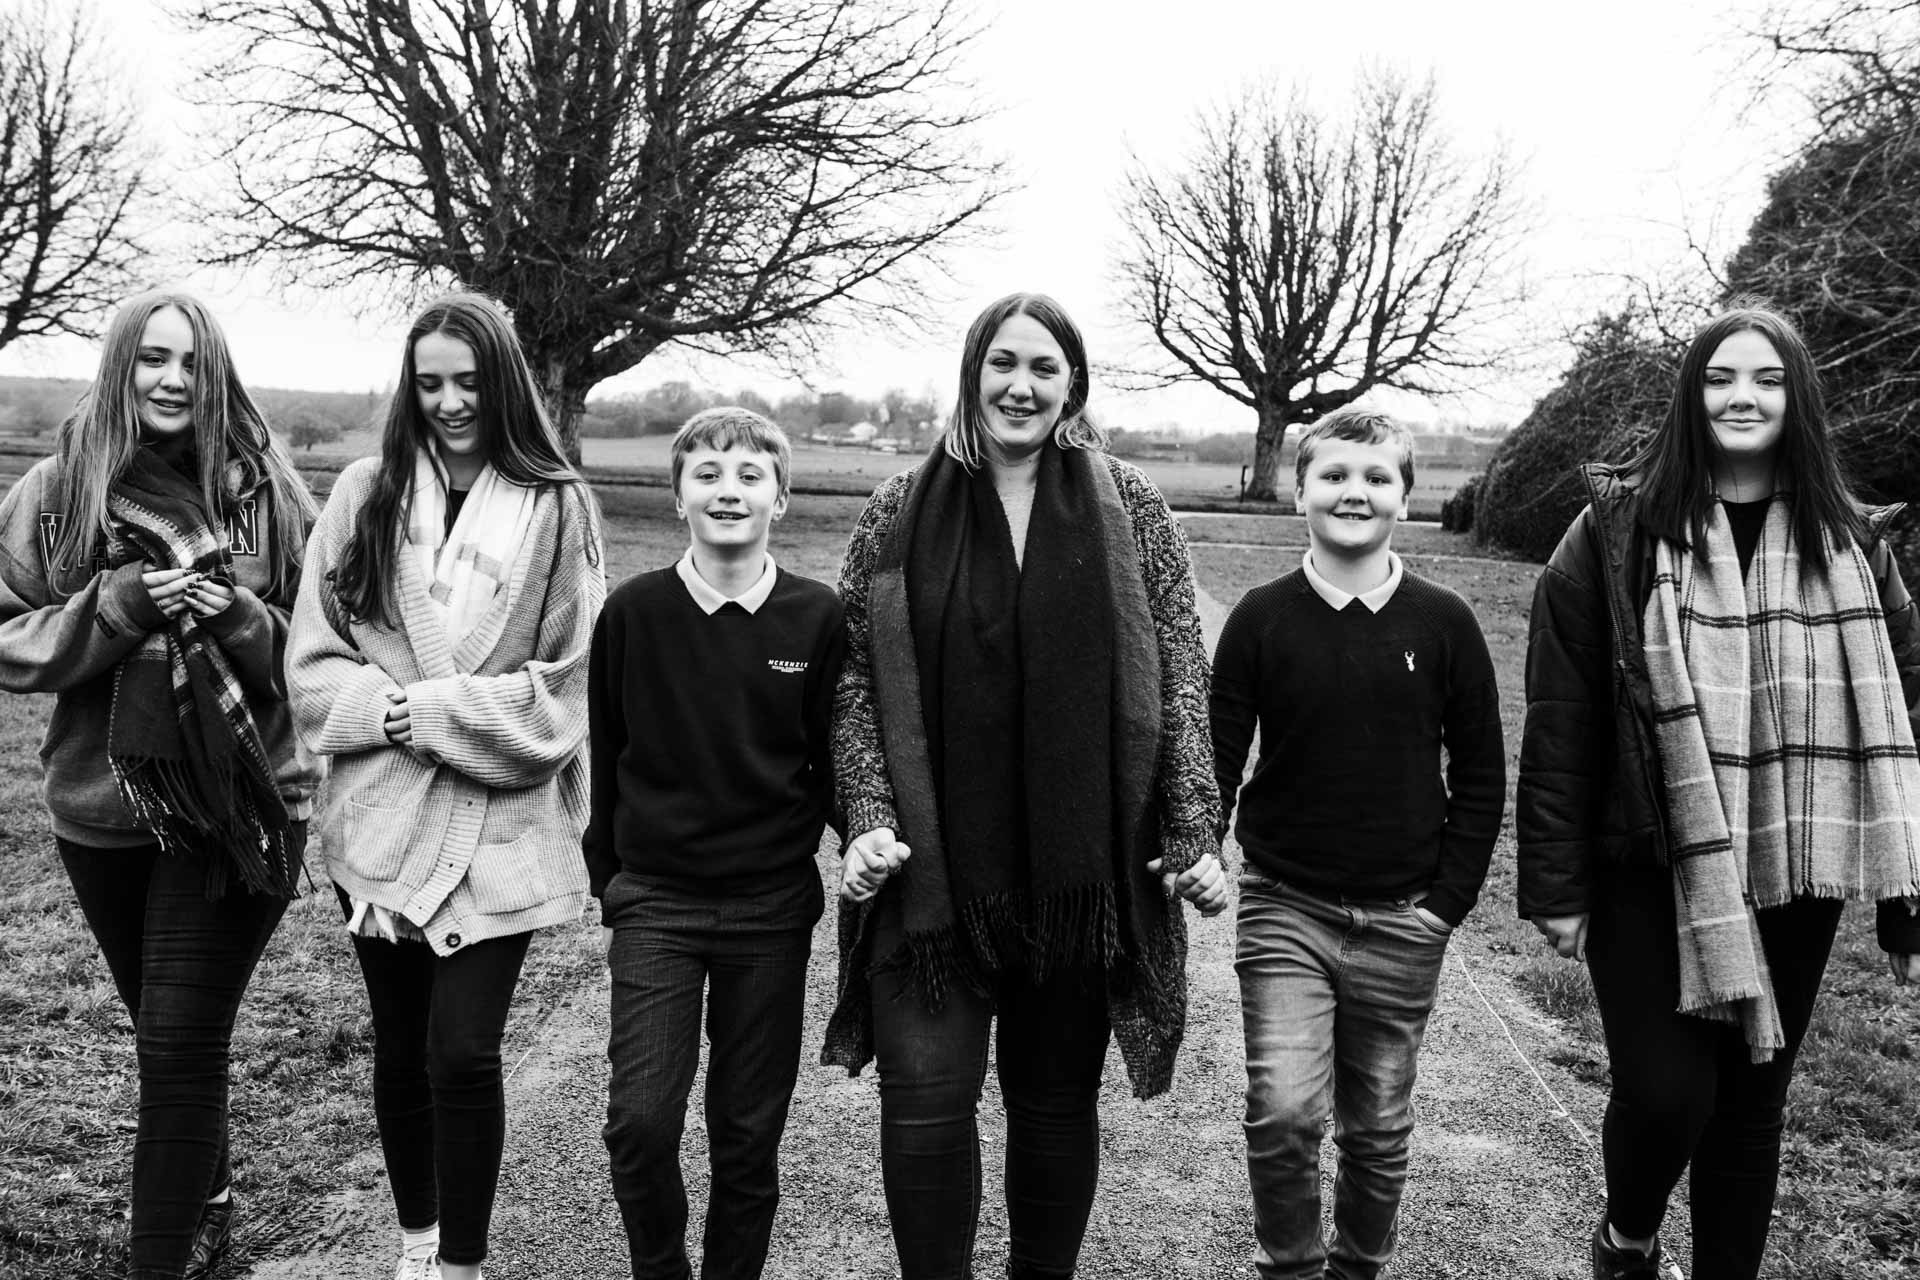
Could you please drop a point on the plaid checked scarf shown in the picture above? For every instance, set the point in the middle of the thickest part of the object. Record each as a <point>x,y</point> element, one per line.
<point>1787,755</point>
<point>182,743</point>
<point>469,564</point>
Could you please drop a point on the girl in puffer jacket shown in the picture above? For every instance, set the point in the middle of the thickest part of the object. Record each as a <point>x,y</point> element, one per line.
<point>1723,684</point>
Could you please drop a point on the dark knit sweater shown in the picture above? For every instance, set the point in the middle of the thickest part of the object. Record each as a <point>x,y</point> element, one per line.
<point>1354,708</point>
<point>709,732</point>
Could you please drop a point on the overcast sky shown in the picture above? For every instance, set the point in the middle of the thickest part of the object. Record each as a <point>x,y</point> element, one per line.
<point>1630,119</point>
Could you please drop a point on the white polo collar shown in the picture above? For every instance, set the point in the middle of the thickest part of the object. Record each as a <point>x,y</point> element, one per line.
<point>1375,600</point>
<point>710,600</point>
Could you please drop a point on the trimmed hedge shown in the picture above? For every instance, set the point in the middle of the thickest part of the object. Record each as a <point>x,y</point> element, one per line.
<point>1611,397</point>
<point>1456,513</point>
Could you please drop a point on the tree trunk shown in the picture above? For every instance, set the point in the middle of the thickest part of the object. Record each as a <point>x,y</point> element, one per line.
<point>1267,482</point>
<point>566,398</point>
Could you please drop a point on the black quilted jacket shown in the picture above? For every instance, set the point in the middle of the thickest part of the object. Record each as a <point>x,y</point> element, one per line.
<point>1589,771</point>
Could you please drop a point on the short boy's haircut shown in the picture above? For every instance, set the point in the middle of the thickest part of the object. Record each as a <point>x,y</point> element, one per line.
<point>731,427</point>
<point>1361,426</point>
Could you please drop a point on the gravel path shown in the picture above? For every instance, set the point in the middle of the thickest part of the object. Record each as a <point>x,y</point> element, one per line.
<point>1503,1185</point>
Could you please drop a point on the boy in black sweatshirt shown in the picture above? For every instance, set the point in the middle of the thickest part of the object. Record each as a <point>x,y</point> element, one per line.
<point>1361,855</point>
<point>710,689</point>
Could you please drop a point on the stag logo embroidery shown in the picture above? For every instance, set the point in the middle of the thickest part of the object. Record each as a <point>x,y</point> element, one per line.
<point>1408,655</point>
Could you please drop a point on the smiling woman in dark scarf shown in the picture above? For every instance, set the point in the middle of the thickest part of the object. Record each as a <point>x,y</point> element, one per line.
<point>147,571</point>
<point>1021,737</point>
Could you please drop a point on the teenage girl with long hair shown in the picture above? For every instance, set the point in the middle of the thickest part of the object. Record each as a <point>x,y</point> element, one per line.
<point>147,571</point>
<point>1723,682</point>
<point>439,656</point>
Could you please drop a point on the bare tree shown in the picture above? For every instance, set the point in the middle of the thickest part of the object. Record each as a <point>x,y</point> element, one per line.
<point>1297,263</point>
<point>72,173</point>
<point>732,174</point>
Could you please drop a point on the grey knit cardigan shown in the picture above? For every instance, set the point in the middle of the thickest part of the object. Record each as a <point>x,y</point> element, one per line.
<point>1148,1030</point>
<point>474,833</point>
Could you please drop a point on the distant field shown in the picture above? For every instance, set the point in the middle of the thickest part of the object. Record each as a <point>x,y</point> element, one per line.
<point>1180,481</point>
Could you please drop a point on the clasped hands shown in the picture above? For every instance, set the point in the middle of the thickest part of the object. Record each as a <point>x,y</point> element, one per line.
<point>1567,935</point>
<point>874,856</point>
<point>178,591</point>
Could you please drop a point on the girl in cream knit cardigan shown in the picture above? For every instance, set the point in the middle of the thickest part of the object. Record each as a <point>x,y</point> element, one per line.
<point>439,656</point>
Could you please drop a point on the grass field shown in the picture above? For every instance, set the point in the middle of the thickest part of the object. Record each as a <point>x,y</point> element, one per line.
<point>823,468</point>
<point>302,1116</point>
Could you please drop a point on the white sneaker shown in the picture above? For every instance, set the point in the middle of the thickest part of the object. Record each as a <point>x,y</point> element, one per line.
<point>418,1265</point>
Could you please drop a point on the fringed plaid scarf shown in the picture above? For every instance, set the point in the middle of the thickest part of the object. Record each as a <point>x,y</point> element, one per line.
<point>1788,758</point>
<point>1022,714</point>
<point>182,743</point>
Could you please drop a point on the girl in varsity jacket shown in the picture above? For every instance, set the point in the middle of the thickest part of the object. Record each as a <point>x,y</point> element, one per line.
<point>163,538</point>
<point>439,656</point>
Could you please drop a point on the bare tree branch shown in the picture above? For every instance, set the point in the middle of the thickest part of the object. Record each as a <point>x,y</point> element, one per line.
<point>740,174</point>
<point>1296,263</point>
<point>71,174</point>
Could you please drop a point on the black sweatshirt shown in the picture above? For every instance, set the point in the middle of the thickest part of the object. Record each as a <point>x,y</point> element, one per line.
<point>711,763</point>
<point>1354,708</point>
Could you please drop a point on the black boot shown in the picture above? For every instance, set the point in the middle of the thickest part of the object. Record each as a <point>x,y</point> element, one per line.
<point>211,1240</point>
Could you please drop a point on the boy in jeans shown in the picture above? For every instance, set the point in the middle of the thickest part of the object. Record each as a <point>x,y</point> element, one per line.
<point>710,688</point>
<point>1360,857</point>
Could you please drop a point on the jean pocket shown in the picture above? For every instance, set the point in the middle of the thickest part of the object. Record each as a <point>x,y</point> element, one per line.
<point>1432,923</point>
<point>1258,883</point>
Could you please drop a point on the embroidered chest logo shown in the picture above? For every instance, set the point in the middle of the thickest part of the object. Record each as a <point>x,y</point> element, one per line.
<point>243,528</point>
<point>1408,655</point>
<point>787,666</point>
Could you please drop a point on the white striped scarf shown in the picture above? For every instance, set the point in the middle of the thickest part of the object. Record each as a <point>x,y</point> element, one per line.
<point>469,564</point>
<point>1788,759</point>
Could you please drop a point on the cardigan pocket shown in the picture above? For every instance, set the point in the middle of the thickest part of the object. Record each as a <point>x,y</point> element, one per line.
<point>378,840</point>
<point>505,878</point>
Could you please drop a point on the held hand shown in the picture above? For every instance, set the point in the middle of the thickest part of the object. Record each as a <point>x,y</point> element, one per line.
<point>1567,935</point>
<point>1204,884</point>
<point>399,725</point>
<point>1906,968</point>
<point>870,858</point>
<point>169,589</point>
<point>606,940</point>
<point>207,597</point>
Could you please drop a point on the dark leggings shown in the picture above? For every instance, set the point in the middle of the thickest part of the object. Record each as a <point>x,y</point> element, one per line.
<point>438,1092</point>
<point>1049,1055</point>
<point>1684,1088</point>
<point>181,965</point>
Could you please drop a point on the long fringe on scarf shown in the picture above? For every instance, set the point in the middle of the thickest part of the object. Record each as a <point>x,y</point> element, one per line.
<point>1788,758</point>
<point>182,743</point>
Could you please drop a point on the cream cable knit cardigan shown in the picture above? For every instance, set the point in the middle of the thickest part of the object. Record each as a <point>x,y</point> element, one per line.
<point>474,833</point>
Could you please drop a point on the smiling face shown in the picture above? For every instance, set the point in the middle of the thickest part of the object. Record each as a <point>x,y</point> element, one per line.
<point>163,374</point>
<point>1745,389</point>
<point>1024,383</point>
<point>446,385</point>
<point>730,498</point>
<point>1352,495</point>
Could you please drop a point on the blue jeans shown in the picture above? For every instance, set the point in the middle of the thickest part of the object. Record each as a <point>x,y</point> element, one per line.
<point>1334,996</point>
<point>181,964</point>
<point>747,953</point>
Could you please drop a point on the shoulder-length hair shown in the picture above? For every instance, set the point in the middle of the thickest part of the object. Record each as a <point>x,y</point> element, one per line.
<point>1675,468</point>
<point>966,435</point>
<point>237,454</point>
<point>517,438</point>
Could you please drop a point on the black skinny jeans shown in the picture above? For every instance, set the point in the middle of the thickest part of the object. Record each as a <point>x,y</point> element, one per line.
<point>181,964</point>
<point>1049,1054</point>
<point>438,1093</point>
<point>1684,1089</point>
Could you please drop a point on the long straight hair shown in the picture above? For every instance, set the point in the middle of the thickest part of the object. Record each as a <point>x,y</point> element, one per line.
<point>517,438</point>
<point>237,453</point>
<point>967,437</point>
<point>1675,469</point>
